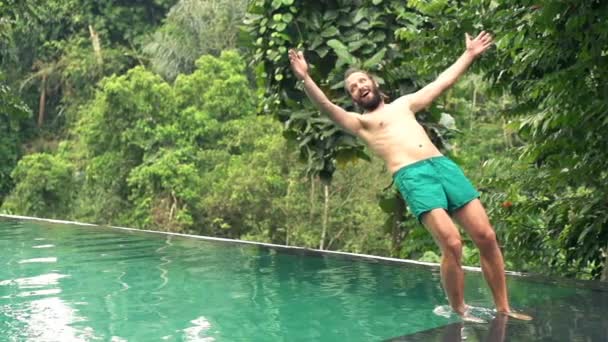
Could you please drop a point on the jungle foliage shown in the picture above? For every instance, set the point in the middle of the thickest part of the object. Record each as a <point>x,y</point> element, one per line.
<point>184,116</point>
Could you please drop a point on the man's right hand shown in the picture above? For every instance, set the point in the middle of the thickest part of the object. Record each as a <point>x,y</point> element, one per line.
<point>348,121</point>
<point>298,64</point>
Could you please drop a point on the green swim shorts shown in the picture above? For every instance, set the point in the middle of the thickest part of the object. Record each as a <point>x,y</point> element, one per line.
<point>432,183</point>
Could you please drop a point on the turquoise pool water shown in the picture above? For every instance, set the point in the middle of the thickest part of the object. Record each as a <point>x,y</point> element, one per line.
<point>62,282</point>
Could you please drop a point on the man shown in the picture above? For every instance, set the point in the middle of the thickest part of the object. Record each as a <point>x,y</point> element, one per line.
<point>433,186</point>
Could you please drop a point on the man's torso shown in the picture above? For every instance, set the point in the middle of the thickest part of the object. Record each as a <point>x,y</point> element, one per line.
<point>393,133</point>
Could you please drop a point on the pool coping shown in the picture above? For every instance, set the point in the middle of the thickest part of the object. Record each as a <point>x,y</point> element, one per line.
<point>586,284</point>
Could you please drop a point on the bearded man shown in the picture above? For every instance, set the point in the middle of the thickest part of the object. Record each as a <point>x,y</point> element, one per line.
<point>434,187</point>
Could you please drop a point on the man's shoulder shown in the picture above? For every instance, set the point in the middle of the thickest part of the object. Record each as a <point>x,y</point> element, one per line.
<point>402,102</point>
<point>403,99</point>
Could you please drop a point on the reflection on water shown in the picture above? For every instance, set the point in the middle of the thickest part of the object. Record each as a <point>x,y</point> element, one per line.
<point>43,246</point>
<point>40,260</point>
<point>198,330</point>
<point>45,317</point>
<point>64,283</point>
<point>50,279</point>
<point>457,332</point>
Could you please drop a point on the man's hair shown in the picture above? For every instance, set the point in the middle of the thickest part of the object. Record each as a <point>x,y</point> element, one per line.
<point>353,70</point>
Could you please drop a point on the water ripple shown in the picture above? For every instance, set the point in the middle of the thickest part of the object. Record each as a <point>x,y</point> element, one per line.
<point>38,260</point>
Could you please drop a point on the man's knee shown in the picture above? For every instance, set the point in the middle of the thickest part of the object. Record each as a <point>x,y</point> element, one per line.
<point>452,248</point>
<point>486,238</point>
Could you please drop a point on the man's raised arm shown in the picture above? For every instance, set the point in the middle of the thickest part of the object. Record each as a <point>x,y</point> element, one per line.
<point>346,120</point>
<point>423,97</point>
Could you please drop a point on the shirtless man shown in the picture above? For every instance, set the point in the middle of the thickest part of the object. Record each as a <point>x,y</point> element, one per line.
<point>434,187</point>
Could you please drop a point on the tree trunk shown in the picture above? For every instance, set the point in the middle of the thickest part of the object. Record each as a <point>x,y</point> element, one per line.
<point>506,134</point>
<point>474,107</point>
<point>287,211</point>
<point>397,234</point>
<point>335,238</point>
<point>312,201</point>
<point>605,272</point>
<point>42,103</point>
<point>96,45</point>
<point>325,215</point>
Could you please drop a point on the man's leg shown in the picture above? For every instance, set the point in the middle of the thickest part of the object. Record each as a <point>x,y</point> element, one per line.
<point>445,233</point>
<point>474,220</point>
<point>498,328</point>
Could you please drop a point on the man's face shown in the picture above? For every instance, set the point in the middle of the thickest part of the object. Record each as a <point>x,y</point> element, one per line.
<point>363,90</point>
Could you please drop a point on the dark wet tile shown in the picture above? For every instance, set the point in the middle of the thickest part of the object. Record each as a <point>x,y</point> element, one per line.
<point>581,318</point>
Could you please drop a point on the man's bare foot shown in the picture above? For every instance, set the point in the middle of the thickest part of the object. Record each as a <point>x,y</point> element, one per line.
<point>516,315</point>
<point>467,317</point>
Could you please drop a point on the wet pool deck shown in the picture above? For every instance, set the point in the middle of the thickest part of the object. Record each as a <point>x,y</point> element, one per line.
<point>556,321</point>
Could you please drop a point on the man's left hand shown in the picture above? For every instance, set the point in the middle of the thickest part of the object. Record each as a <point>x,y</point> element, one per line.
<point>478,45</point>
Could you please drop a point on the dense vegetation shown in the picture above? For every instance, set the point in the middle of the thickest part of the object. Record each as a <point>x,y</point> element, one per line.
<point>182,115</point>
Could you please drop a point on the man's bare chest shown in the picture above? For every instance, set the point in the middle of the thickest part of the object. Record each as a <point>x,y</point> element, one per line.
<point>388,120</point>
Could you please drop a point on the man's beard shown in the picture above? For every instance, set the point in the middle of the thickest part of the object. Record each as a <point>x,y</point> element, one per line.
<point>372,103</point>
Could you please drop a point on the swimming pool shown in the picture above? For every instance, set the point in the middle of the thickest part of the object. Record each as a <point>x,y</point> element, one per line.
<point>65,282</point>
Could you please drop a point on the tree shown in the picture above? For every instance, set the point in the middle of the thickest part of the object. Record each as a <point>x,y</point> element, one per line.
<point>194,28</point>
<point>549,56</point>
<point>43,187</point>
<point>116,133</point>
<point>52,48</point>
<point>13,125</point>
<point>564,114</point>
<point>375,38</point>
<point>151,146</point>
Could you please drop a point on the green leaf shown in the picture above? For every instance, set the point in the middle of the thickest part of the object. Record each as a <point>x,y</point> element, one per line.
<point>361,13</point>
<point>287,17</point>
<point>375,59</point>
<point>338,85</point>
<point>342,52</point>
<point>276,4</point>
<point>344,157</point>
<point>388,204</point>
<point>330,31</point>
<point>330,15</point>
<point>316,42</point>
<point>354,46</point>
<point>336,45</point>
<point>362,155</point>
<point>322,51</point>
<point>379,37</point>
